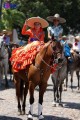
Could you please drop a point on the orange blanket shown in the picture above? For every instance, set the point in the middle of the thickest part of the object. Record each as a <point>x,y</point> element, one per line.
<point>23,56</point>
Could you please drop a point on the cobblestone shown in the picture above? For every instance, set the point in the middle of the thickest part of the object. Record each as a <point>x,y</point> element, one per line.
<point>70,110</point>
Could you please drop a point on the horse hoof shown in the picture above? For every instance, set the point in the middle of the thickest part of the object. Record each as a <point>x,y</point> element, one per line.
<point>77,88</point>
<point>30,117</point>
<point>19,112</point>
<point>54,104</point>
<point>65,89</point>
<point>60,104</point>
<point>23,112</point>
<point>41,117</point>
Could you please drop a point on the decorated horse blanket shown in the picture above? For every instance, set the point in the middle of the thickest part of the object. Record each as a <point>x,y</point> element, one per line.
<point>23,56</point>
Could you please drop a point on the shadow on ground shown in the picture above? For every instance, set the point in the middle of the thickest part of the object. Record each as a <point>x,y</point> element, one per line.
<point>55,118</point>
<point>72,105</point>
<point>10,85</point>
<point>51,117</point>
<point>9,118</point>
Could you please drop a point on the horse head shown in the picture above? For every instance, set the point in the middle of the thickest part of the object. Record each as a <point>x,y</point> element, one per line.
<point>56,50</point>
<point>50,54</point>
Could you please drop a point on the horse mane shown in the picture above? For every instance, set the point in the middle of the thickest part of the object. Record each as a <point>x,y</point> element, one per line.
<point>44,48</point>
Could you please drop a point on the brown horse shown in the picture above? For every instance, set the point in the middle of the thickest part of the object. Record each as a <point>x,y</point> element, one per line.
<point>36,74</point>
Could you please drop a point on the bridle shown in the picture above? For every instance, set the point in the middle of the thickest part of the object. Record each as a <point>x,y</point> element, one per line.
<point>48,65</point>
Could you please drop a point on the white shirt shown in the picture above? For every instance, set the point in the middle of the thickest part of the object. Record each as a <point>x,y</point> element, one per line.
<point>55,30</point>
<point>1,38</point>
<point>76,47</point>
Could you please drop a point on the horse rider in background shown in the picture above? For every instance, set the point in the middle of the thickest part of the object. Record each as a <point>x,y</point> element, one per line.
<point>56,30</point>
<point>76,45</point>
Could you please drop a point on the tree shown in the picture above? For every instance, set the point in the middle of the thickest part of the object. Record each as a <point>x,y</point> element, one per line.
<point>11,18</point>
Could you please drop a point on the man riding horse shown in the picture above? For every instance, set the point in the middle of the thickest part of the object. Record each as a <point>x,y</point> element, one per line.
<point>60,74</point>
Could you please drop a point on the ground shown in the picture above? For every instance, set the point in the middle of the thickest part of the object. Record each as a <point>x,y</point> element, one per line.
<point>70,110</point>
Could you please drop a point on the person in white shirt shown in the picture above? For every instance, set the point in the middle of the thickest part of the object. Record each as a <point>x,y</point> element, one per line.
<point>56,30</point>
<point>76,45</point>
<point>2,37</point>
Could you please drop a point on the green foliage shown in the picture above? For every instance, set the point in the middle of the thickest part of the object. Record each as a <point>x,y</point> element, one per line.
<point>69,9</point>
<point>11,18</point>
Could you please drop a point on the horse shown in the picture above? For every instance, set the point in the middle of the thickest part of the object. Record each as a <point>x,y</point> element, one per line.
<point>35,74</point>
<point>73,66</point>
<point>4,61</point>
<point>58,79</point>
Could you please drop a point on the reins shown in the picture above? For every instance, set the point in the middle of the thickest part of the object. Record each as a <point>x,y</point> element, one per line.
<point>50,66</point>
<point>53,64</point>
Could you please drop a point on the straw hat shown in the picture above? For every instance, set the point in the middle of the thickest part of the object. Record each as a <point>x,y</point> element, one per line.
<point>77,37</point>
<point>56,16</point>
<point>8,32</point>
<point>32,20</point>
<point>64,36</point>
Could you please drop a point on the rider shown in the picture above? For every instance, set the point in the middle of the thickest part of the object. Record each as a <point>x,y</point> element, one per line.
<point>35,32</point>
<point>67,48</point>
<point>56,30</point>
<point>23,56</point>
<point>76,45</point>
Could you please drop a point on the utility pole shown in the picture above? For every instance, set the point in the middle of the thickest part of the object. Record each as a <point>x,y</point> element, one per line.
<point>0,8</point>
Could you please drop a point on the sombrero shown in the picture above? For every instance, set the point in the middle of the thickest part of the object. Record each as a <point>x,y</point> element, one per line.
<point>64,36</point>
<point>56,16</point>
<point>77,37</point>
<point>8,32</point>
<point>32,20</point>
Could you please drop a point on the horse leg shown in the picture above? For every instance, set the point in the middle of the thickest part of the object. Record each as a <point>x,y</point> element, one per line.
<point>1,73</point>
<point>57,93</point>
<point>66,84</point>
<point>26,86</point>
<point>31,92</point>
<point>54,103</point>
<point>17,86</point>
<point>77,73</point>
<point>54,91</point>
<point>42,88</point>
<point>60,99</point>
<point>72,80</point>
<point>10,71</point>
<point>5,73</point>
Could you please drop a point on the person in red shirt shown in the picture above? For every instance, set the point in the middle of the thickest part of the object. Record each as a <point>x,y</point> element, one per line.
<point>23,56</point>
<point>35,32</point>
